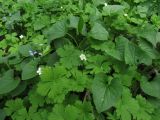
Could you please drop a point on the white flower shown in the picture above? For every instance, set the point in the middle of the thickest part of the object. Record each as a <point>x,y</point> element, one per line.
<point>61,7</point>
<point>105,4</point>
<point>35,52</point>
<point>41,44</point>
<point>125,14</point>
<point>40,54</point>
<point>39,71</point>
<point>21,36</point>
<point>83,57</point>
<point>31,52</point>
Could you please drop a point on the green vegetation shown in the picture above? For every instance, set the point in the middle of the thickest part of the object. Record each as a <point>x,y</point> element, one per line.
<point>79,60</point>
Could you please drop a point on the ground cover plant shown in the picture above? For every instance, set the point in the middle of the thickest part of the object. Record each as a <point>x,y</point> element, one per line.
<point>79,60</point>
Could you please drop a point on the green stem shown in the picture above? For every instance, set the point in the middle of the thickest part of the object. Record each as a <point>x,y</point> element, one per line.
<point>73,39</point>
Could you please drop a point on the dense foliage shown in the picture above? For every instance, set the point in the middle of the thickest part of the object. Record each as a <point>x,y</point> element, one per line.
<point>79,60</point>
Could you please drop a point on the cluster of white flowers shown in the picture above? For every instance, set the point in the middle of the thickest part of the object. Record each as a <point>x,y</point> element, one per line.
<point>39,71</point>
<point>83,57</point>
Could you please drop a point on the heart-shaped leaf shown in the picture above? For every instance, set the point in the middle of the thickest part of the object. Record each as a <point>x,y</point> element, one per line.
<point>8,83</point>
<point>105,93</point>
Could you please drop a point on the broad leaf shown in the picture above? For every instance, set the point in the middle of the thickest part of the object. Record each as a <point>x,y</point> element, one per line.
<point>24,50</point>
<point>57,30</point>
<point>105,92</point>
<point>99,32</point>
<point>74,22</point>
<point>134,54</point>
<point>2,114</point>
<point>56,83</point>
<point>150,34</point>
<point>98,2</point>
<point>128,107</point>
<point>112,9</point>
<point>78,111</point>
<point>29,70</point>
<point>69,56</point>
<point>41,22</point>
<point>151,88</point>
<point>8,83</point>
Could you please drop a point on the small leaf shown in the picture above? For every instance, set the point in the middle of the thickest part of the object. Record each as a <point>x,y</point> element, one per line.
<point>82,27</point>
<point>99,32</point>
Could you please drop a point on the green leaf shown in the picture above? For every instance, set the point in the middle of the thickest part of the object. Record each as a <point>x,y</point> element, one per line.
<point>24,50</point>
<point>82,27</point>
<point>98,2</point>
<point>35,99</point>
<point>151,88</point>
<point>148,48</point>
<point>19,89</point>
<point>2,114</point>
<point>106,92</point>
<point>41,22</point>
<point>12,106</point>
<point>112,9</point>
<point>135,55</point>
<point>138,1</point>
<point>29,70</point>
<point>98,64</point>
<point>156,114</point>
<point>145,109</point>
<point>108,47</point>
<point>17,111</point>
<point>126,106</point>
<point>8,83</point>
<point>150,34</point>
<point>56,83</point>
<point>120,45</point>
<point>129,107</point>
<point>99,32</point>
<point>78,111</point>
<point>74,22</point>
<point>131,53</point>
<point>57,30</point>
<point>70,54</point>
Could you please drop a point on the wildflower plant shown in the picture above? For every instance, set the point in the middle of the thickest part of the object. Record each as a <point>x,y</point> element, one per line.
<point>79,60</point>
